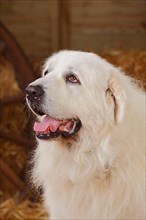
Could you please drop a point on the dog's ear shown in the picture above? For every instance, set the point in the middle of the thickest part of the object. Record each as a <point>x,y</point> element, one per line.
<point>115,93</point>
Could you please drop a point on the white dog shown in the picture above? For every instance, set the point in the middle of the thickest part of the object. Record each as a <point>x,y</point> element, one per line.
<point>90,159</point>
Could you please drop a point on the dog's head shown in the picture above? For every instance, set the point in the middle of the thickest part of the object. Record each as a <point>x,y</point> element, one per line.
<point>77,92</point>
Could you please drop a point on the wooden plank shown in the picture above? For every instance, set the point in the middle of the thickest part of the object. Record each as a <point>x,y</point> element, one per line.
<point>107,41</point>
<point>29,22</point>
<point>55,23</point>
<point>65,24</point>
<point>97,25</point>
<point>108,12</point>
<point>44,26</point>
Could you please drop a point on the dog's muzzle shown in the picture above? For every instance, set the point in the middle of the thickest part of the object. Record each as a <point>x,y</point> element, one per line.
<point>49,128</point>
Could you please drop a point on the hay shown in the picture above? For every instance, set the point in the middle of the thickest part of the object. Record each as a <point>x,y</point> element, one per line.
<point>8,83</point>
<point>12,210</point>
<point>15,118</point>
<point>10,87</point>
<point>132,62</point>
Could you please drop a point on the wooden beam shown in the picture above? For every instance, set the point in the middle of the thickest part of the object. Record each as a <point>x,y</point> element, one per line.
<point>26,143</point>
<point>64,10</point>
<point>55,23</point>
<point>23,70</point>
<point>60,25</point>
<point>9,173</point>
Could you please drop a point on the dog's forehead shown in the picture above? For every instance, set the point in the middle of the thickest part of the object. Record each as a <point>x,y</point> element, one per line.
<point>80,63</point>
<point>70,59</point>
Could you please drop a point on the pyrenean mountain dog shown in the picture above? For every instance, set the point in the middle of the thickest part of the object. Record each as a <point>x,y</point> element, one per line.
<point>90,159</point>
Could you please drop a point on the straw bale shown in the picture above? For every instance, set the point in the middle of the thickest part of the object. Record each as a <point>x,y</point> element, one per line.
<point>26,210</point>
<point>13,119</point>
<point>10,87</point>
<point>132,62</point>
<point>8,83</point>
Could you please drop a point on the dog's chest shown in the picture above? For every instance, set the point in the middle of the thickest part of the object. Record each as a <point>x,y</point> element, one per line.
<point>65,189</point>
<point>65,199</point>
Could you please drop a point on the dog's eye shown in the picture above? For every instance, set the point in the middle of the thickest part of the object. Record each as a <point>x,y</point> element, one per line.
<point>46,72</point>
<point>72,78</point>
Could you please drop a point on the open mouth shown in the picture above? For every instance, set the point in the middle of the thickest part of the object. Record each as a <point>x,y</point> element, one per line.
<point>51,128</point>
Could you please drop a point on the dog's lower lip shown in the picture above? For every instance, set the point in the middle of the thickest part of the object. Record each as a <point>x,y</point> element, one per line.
<point>37,111</point>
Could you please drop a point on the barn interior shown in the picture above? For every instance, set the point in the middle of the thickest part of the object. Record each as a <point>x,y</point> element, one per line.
<point>30,31</point>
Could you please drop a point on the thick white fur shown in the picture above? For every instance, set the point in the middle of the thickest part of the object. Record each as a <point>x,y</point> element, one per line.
<point>101,174</point>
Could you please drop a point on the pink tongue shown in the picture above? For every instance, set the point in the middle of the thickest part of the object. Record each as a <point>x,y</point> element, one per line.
<point>50,122</point>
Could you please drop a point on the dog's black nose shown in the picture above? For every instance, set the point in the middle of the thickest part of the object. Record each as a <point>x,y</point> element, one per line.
<point>34,92</point>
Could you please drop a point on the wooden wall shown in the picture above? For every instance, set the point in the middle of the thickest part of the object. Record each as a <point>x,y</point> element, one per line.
<point>29,21</point>
<point>44,26</point>
<point>102,24</point>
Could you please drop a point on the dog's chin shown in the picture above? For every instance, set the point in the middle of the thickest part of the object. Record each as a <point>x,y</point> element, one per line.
<point>52,128</point>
